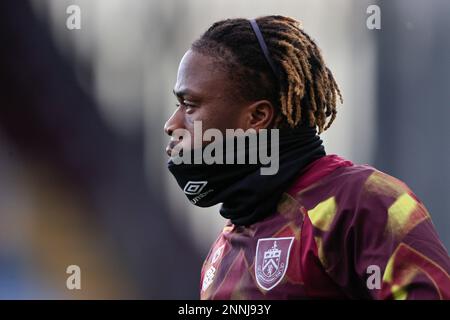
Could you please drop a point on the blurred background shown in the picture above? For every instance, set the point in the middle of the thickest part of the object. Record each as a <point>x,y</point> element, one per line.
<point>83,176</point>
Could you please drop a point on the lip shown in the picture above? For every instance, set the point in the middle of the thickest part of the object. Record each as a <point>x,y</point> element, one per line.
<point>170,146</point>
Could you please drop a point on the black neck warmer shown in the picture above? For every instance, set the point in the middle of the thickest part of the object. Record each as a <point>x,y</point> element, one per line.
<point>246,195</point>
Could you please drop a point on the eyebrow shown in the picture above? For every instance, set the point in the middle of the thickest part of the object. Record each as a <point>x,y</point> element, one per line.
<point>184,92</point>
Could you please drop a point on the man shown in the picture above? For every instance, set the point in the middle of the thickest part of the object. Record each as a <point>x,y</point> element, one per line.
<point>321,227</point>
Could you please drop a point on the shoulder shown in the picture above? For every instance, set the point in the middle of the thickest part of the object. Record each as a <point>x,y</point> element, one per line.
<point>363,197</point>
<point>364,189</point>
<point>354,185</point>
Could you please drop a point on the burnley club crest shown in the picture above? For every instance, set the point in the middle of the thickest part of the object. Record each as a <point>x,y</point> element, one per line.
<point>271,261</point>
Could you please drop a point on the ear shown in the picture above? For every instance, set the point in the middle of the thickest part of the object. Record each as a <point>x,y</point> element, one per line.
<point>260,115</point>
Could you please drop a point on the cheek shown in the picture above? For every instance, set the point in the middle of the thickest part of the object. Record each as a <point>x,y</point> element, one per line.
<point>217,117</point>
<point>189,120</point>
<point>222,118</point>
<point>208,120</point>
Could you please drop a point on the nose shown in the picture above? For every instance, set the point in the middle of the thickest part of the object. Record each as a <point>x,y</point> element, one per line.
<point>173,123</point>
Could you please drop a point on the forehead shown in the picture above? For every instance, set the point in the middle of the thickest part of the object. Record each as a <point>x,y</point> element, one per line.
<point>201,75</point>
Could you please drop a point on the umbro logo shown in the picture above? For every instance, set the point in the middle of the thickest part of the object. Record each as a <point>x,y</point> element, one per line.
<point>194,187</point>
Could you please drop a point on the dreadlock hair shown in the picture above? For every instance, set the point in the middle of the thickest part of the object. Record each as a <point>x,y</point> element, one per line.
<point>305,90</point>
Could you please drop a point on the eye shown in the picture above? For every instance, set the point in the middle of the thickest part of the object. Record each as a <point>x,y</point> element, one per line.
<point>188,104</point>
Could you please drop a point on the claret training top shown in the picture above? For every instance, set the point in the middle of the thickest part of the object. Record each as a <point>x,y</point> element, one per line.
<point>341,231</point>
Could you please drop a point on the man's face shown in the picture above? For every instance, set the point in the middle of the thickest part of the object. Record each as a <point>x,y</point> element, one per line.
<point>204,93</point>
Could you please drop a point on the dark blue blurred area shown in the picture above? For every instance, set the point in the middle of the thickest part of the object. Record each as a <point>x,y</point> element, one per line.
<point>49,122</point>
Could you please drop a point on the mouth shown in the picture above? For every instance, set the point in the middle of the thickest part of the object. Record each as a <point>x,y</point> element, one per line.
<point>170,146</point>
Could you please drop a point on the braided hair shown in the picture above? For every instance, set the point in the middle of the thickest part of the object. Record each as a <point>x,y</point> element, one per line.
<point>305,90</point>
